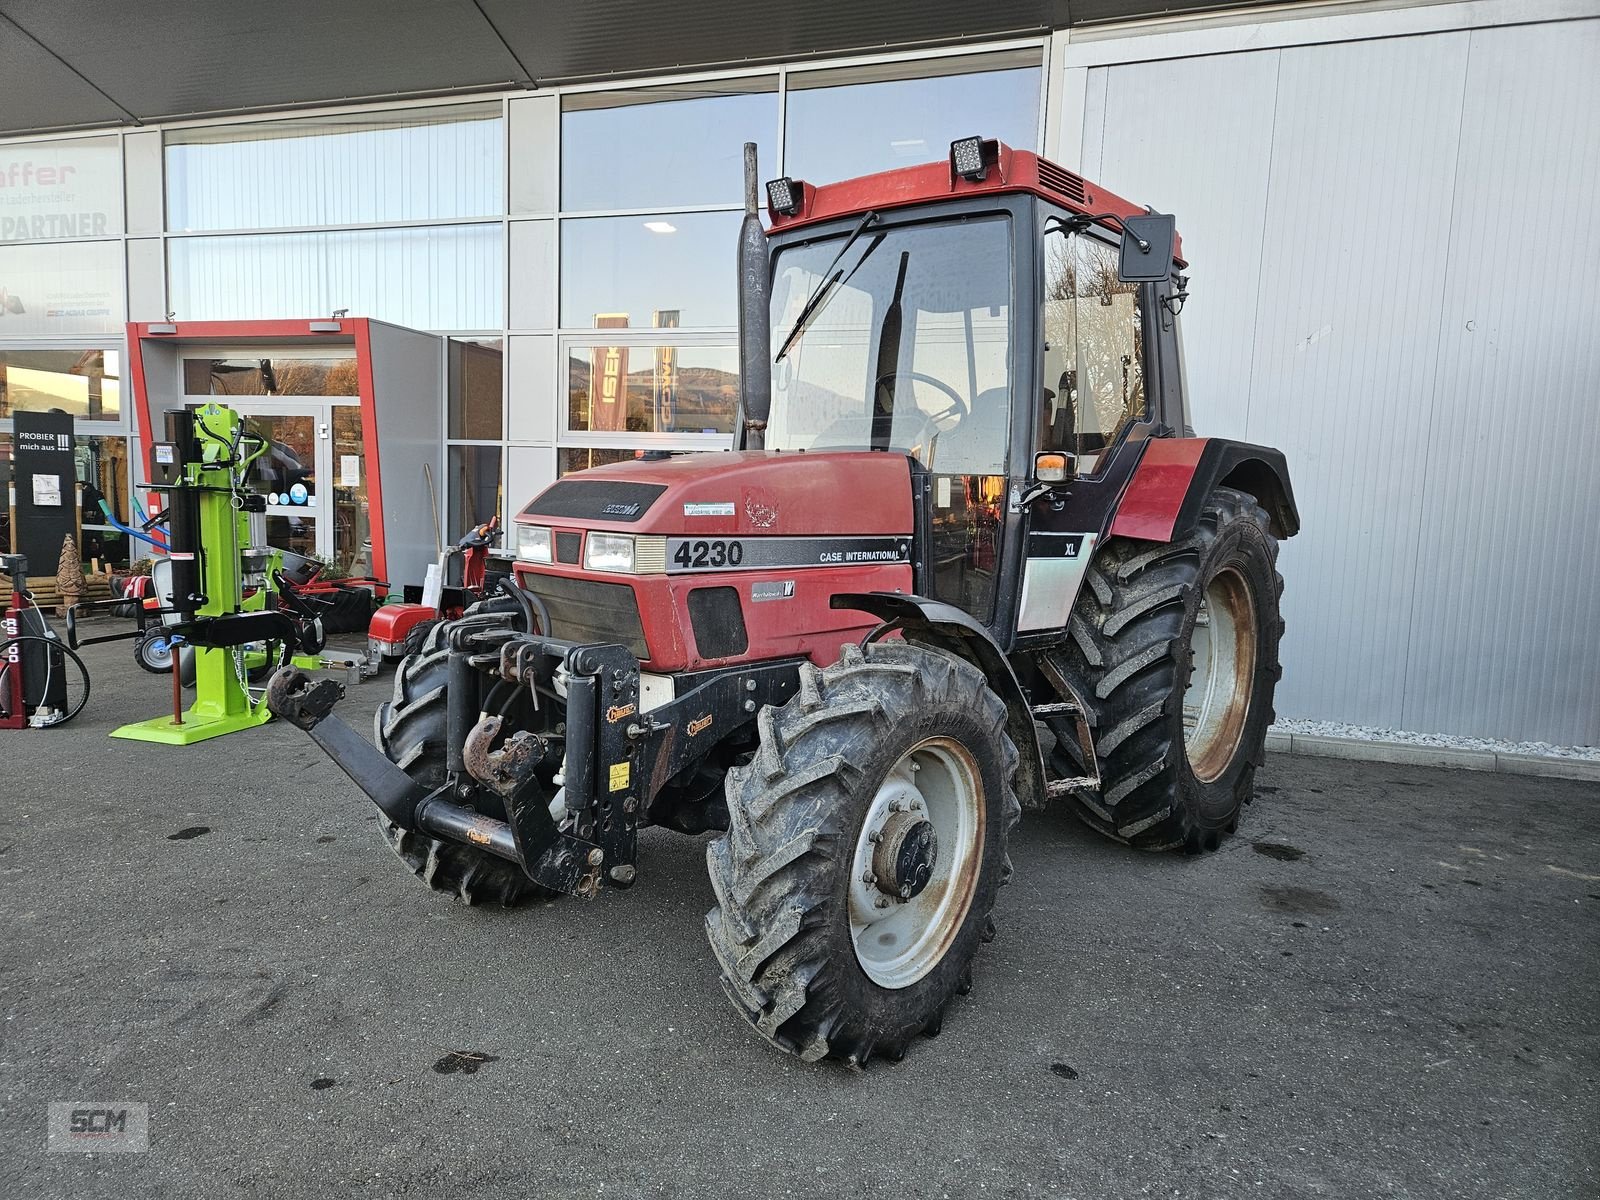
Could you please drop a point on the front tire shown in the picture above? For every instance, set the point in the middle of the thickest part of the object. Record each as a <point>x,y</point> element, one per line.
<point>1174,649</point>
<point>410,730</point>
<point>833,942</point>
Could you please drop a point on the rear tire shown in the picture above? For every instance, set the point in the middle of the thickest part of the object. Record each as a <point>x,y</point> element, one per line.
<point>1176,762</point>
<point>821,959</point>
<point>410,730</point>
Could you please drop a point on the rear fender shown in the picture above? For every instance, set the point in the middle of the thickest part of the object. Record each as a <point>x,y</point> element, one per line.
<point>1175,475</point>
<point>947,628</point>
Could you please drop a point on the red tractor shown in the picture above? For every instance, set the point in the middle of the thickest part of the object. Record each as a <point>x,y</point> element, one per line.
<point>967,558</point>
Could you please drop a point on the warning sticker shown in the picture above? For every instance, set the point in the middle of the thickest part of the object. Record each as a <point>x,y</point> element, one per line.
<point>620,774</point>
<point>709,509</point>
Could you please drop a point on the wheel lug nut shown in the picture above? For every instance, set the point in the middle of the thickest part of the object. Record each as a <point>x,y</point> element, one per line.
<point>881,902</point>
<point>868,877</point>
<point>875,835</point>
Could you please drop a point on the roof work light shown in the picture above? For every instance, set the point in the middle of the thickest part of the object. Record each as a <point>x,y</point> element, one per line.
<point>785,196</point>
<point>971,157</point>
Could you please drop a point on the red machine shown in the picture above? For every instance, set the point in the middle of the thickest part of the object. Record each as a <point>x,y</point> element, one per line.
<point>400,629</point>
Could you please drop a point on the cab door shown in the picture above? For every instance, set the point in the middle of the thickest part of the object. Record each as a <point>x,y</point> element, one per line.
<point>1094,405</point>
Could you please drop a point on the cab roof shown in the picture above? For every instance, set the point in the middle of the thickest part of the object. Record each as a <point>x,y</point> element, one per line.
<point>1013,171</point>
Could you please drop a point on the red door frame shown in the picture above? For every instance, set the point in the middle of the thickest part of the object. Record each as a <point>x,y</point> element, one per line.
<point>347,331</point>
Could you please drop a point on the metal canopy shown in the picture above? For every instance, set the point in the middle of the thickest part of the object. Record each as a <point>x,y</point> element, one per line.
<point>109,62</point>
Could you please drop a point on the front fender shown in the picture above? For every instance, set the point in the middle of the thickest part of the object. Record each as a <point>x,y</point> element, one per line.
<point>948,628</point>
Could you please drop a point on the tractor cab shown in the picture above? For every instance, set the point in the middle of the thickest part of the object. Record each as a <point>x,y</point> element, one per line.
<point>996,323</point>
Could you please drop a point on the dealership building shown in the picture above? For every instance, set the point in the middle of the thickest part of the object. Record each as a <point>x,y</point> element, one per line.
<point>1388,211</point>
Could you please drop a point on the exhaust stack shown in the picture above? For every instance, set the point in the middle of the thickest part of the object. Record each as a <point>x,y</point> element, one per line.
<point>755,318</point>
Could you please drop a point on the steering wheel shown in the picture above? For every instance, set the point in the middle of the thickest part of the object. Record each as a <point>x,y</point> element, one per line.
<point>958,406</point>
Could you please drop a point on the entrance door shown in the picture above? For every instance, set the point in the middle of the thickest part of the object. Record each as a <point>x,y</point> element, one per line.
<point>314,474</point>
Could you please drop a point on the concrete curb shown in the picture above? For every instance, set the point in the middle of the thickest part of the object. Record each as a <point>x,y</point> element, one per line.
<point>1362,750</point>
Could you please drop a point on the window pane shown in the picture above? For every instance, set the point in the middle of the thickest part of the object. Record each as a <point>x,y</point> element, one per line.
<point>417,164</point>
<point>476,369</point>
<point>581,458</point>
<point>935,381</point>
<point>81,382</point>
<point>64,189</point>
<point>280,375</point>
<point>474,487</point>
<point>102,467</point>
<point>853,122</point>
<point>1094,356</point>
<point>61,288</point>
<point>652,389</point>
<point>655,147</point>
<point>445,277</point>
<point>638,267</point>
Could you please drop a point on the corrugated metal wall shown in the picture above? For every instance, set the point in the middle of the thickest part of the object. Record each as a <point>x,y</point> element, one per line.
<point>1395,251</point>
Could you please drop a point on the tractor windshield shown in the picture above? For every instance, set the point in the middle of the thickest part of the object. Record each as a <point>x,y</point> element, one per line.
<point>906,345</point>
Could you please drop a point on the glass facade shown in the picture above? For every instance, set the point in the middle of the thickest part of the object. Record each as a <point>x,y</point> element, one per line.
<point>54,289</point>
<point>642,267</point>
<point>654,388</point>
<point>427,277</point>
<point>61,314</point>
<point>665,146</point>
<point>414,164</point>
<point>591,323</point>
<point>855,120</point>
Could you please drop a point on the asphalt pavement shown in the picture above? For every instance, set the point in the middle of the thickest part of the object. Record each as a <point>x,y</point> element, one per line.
<point>1387,984</point>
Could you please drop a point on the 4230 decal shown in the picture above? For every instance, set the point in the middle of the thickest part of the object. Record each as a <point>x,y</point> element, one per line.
<point>765,553</point>
<point>707,554</point>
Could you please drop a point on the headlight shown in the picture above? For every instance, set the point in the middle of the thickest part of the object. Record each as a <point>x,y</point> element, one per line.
<point>608,552</point>
<point>533,543</point>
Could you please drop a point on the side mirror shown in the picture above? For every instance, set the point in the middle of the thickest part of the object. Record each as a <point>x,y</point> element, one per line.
<point>1147,243</point>
<point>1051,467</point>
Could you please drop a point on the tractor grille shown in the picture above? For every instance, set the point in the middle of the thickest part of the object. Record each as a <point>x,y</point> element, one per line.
<point>583,610</point>
<point>1063,182</point>
<point>568,547</point>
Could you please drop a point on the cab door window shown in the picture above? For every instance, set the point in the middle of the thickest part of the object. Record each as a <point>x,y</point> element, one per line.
<point>1094,369</point>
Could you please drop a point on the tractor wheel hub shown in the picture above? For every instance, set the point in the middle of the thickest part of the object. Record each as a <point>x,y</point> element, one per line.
<point>906,855</point>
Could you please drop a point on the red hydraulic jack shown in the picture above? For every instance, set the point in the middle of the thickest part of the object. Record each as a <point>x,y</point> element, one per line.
<point>34,663</point>
<point>12,714</point>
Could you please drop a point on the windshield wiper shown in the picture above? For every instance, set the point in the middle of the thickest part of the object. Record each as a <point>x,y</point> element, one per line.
<point>813,304</point>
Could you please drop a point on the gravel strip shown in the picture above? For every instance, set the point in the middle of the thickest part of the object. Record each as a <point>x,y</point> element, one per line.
<point>1368,733</point>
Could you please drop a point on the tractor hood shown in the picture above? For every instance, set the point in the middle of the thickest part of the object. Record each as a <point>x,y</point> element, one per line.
<point>748,493</point>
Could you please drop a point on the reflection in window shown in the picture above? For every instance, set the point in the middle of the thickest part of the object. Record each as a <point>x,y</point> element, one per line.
<point>441,277</point>
<point>280,375</point>
<point>581,458</point>
<point>857,120</point>
<point>61,288</point>
<point>681,264</point>
<point>474,487</point>
<point>1094,349</point>
<point>661,146</point>
<point>652,389</point>
<point>352,169</point>
<point>476,371</point>
<point>81,382</point>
